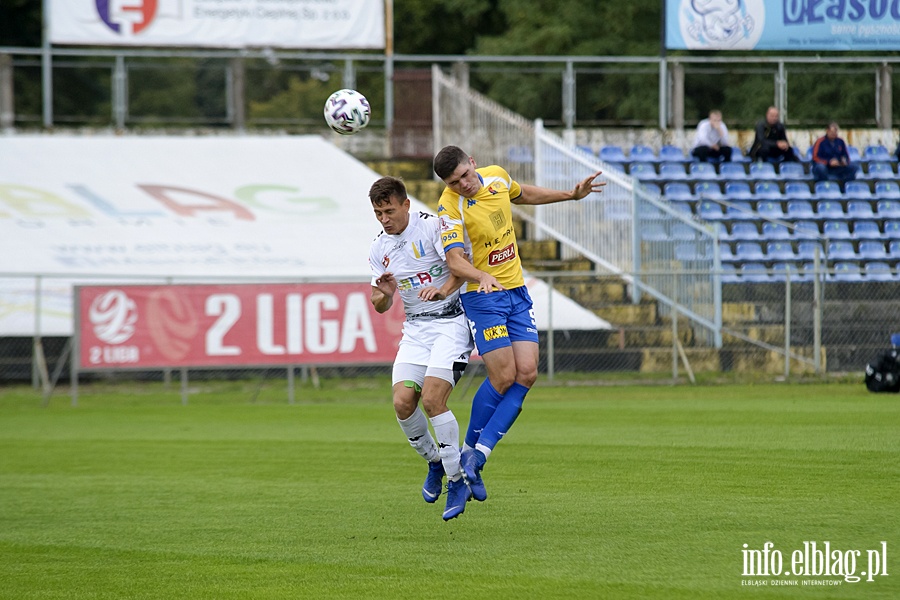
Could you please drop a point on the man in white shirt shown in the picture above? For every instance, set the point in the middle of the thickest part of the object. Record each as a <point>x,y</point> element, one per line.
<point>408,256</point>
<point>711,139</point>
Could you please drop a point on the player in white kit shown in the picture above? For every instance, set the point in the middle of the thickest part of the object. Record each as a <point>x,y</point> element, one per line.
<point>408,257</point>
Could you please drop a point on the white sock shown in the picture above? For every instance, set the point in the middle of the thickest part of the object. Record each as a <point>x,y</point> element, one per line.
<point>446,430</point>
<point>483,449</point>
<point>466,448</point>
<point>416,430</point>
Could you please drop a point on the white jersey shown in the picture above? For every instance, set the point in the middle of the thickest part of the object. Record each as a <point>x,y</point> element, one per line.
<point>417,260</point>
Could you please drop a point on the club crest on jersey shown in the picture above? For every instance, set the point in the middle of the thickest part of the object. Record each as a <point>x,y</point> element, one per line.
<point>418,248</point>
<point>491,190</point>
<point>498,257</point>
<point>447,224</point>
<point>385,261</point>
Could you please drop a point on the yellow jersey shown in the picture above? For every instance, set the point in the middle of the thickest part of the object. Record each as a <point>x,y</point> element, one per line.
<point>482,226</point>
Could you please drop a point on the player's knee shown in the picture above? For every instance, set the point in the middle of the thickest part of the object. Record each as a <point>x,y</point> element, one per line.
<point>433,406</point>
<point>527,377</point>
<point>404,407</point>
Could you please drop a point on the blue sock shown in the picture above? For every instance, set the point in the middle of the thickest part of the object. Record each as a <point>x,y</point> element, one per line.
<point>484,404</point>
<point>505,415</point>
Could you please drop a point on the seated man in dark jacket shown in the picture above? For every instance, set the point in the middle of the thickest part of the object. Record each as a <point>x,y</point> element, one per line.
<point>831,160</point>
<point>771,142</point>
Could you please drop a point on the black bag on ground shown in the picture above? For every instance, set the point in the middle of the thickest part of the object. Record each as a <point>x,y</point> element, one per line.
<point>883,373</point>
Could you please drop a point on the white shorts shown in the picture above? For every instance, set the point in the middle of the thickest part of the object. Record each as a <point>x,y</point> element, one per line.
<point>437,347</point>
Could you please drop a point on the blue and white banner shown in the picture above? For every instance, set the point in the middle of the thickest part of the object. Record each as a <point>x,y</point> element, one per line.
<point>783,24</point>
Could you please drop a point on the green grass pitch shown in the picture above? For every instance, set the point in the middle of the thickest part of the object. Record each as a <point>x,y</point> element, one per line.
<point>612,491</point>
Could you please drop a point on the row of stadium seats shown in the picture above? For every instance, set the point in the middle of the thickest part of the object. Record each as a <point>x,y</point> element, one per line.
<point>770,190</point>
<point>755,171</point>
<point>869,250</point>
<point>843,271</point>
<point>794,210</point>
<point>771,231</point>
<point>672,153</point>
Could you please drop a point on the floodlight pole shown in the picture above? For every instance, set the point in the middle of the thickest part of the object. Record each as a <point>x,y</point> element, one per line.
<point>47,66</point>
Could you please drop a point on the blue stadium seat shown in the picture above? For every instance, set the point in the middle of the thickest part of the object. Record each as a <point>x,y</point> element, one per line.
<point>744,231</point>
<point>654,232</point>
<point>829,209</point>
<point>880,170</point>
<point>763,170</point>
<point>836,230</point>
<point>775,231</point>
<point>857,190</point>
<point>678,192</point>
<point>643,171</point>
<point>748,251</point>
<point>796,190</point>
<point>827,190</point>
<point>846,271</point>
<point>876,152</point>
<point>809,270</point>
<point>682,232</point>
<point>888,209</point>
<point>755,272</point>
<point>708,190</point>
<point>739,156</point>
<point>729,274</point>
<point>841,250</point>
<point>799,209</point>
<point>805,157</point>
<point>586,149</point>
<point>719,228</point>
<point>739,211</point>
<point>732,171</point>
<point>767,190</point>
<point>872,250</point>
<point>651,188</point>
<point>725,253</point>
<point>780,251</point>
<point>792,171</point>
<point>670,153</point>
<point>806,230</point>
<point>860,209</point>
<point>613,154</point>
<point>617,211</point>
<point>672,172</point>
<point>771,209</point>
<point>688,251</point>
<point>866,230</point>
<point>780,271</point>
<point>807,251</point>
<point>892,229</point>
<point>854,153</point>
<point>879,271</point>
<point>887,190</point>
<point>738,191</point>
<point>703,171</point>
<point>894,249</point>
<point>642,153</point>
<point>683,208</point>
<point>710,210</point>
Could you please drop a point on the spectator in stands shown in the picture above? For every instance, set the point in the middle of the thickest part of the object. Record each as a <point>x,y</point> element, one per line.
<point>711,139</point>
<point>771,142</point>
<point>831,160</point>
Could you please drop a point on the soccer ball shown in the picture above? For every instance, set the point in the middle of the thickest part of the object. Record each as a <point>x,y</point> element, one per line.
<point>347,111</point>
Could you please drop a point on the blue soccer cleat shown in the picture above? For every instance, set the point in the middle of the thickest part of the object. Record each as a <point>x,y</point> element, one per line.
<point>431,489</point>
<point>458,493</point>
<point>472,463</point>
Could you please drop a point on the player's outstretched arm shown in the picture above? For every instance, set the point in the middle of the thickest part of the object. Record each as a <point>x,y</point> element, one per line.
<point>462,268</point>
<point>383,292</point>
<point>532,194</point>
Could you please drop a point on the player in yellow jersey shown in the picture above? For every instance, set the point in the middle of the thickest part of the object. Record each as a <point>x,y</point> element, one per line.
<point>480,244</point>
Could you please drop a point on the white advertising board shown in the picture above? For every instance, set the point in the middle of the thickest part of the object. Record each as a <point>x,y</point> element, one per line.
<point>145,209</point>
<point>312,24</point>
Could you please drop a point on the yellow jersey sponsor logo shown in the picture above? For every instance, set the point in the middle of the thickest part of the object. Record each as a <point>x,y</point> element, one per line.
<point>495,333</point>
<point>498,257</point>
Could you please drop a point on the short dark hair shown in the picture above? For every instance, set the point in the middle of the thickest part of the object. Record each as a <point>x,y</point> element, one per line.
<point>386,188</point>
<point>446,161</point>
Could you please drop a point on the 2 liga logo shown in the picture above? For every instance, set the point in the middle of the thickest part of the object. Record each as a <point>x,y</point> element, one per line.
<point>127,17</point>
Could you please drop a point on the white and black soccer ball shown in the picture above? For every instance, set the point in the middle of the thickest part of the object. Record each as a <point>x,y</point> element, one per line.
<point>347,111</point>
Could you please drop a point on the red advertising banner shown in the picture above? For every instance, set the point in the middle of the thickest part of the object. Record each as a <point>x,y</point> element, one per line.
<point>161,326</point>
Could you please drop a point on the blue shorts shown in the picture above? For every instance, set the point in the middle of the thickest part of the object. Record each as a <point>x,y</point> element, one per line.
<point>500,318</point>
